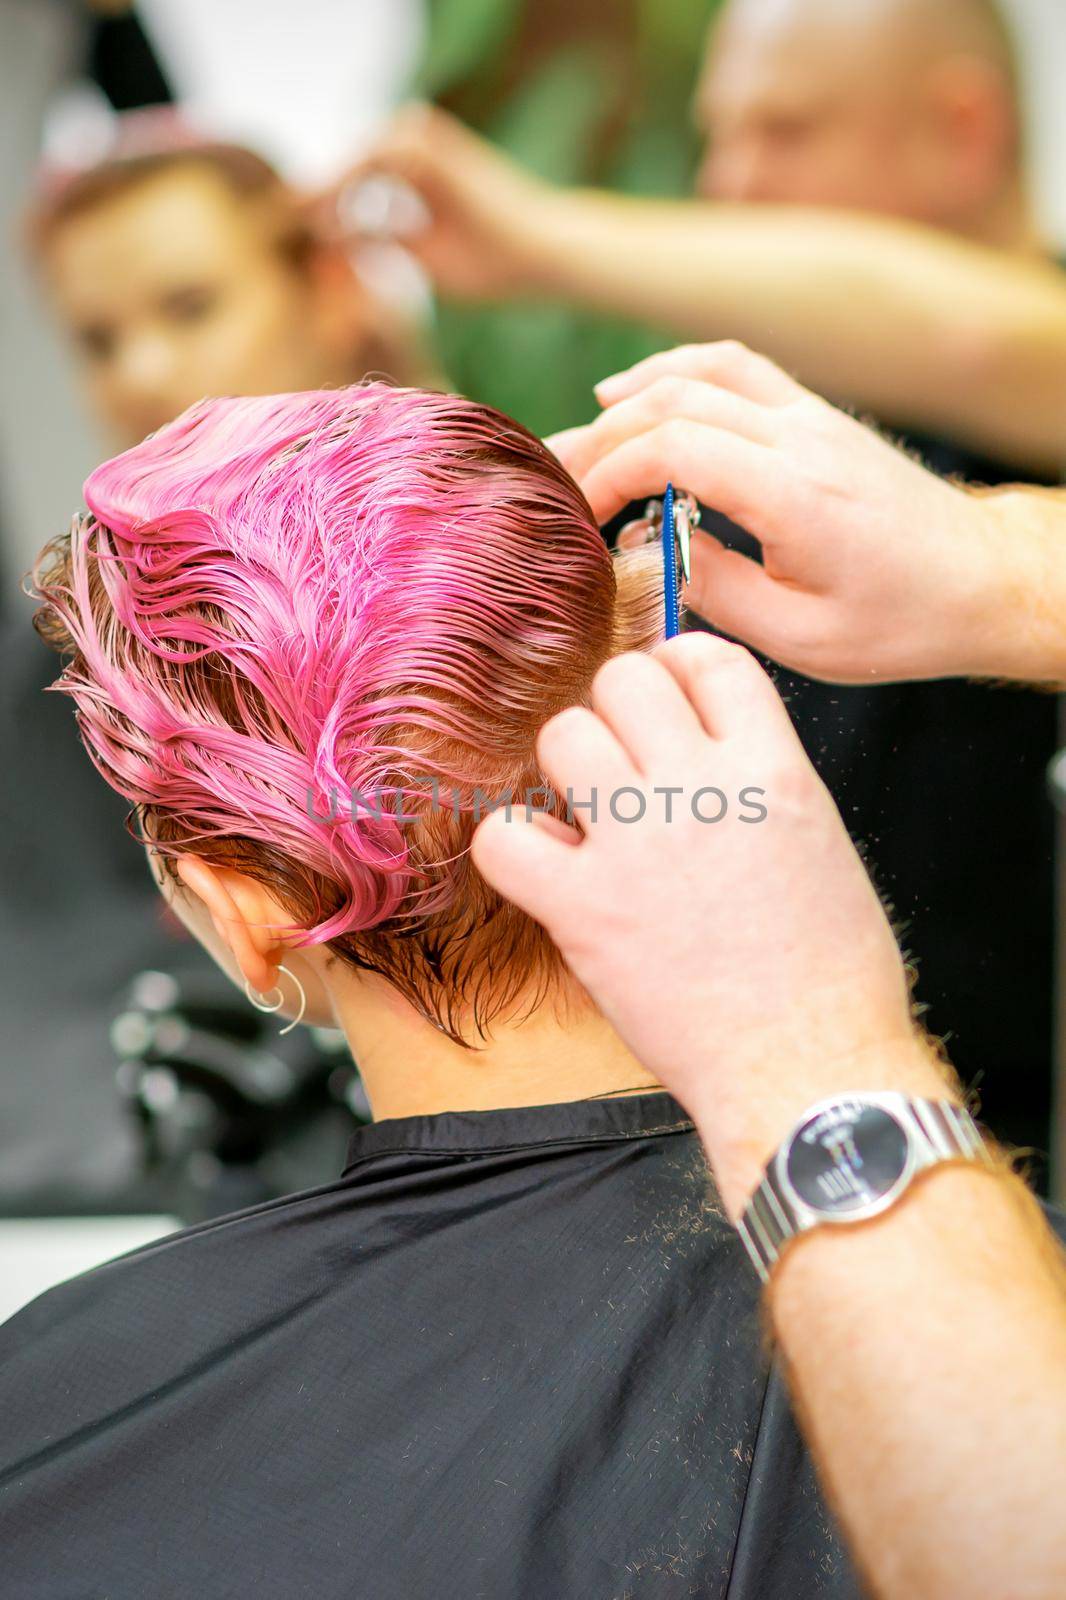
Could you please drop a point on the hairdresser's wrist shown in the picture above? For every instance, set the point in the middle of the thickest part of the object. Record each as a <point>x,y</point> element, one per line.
<point>1019,632</point>
<point>744,1116</point>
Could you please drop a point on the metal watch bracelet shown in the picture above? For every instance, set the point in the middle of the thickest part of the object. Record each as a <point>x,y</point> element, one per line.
<point>936,1131</point>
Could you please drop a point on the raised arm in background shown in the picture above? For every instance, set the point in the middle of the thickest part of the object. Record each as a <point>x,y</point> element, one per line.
<point>920,326</point>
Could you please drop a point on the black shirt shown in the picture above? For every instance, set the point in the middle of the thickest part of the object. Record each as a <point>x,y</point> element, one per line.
<point>508,1354</point>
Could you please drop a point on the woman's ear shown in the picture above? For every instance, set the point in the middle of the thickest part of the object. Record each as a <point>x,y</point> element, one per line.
<point>244,916</point>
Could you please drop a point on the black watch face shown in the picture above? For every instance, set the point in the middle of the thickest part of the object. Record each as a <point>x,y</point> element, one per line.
<point>847,1156</point>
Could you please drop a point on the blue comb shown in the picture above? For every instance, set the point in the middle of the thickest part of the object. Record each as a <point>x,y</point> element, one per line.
<point>673,604</point>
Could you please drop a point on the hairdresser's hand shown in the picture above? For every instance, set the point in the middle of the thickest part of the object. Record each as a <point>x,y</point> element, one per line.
<point>483,212</point>
<point>747,963</point>
<point>873,568</point>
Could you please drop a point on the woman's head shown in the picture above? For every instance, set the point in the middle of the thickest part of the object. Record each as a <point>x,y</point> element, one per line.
<point>315,634</point>
<point>182,267</point>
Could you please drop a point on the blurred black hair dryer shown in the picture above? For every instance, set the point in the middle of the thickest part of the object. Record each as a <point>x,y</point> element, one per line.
<point>230,1114</point>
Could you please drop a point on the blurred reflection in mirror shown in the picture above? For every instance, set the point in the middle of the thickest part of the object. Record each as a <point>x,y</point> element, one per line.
<point>182,268</point>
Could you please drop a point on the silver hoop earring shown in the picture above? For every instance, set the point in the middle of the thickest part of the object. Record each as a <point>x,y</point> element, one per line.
<point>259,1000</point>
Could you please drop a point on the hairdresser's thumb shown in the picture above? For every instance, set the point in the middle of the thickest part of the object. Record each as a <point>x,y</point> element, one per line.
<point>529,858</point>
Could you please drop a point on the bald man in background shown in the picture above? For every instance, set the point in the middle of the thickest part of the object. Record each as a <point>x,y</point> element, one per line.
<point>905,107</point>
<point>863,218</point>
<point>912,283</point>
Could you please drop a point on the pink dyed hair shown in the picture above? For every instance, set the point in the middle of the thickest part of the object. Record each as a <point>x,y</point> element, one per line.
<point>278,601</point>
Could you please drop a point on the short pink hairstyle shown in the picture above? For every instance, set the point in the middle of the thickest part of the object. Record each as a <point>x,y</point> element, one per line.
<point>278,602</point>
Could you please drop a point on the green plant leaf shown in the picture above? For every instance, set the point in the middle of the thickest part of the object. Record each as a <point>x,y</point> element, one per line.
<point>551,121</point>
<point>463,36</point>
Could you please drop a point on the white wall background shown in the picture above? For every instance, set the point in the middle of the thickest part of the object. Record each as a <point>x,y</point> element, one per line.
<point>305,81</point>
<point>39,1253</point>
<point>1040,31</point>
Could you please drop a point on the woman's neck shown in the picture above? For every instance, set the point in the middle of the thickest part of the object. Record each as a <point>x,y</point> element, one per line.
<point>409,1068</point>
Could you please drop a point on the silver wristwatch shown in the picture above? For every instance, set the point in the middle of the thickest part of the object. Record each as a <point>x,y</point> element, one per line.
<point>850,1158</point>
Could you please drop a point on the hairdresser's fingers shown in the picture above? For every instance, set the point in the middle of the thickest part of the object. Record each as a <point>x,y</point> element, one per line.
<point>634,536</point>
<point>408,164</point>
<point>525,860</point>
<point>584,762</point>
<point>565,832</point>
<point>732,695</point>
<point>748,482</point>
<point>452,167</point>
<point>476,208</point>
<point>663,400</point>
<point>562,443</point>
<point>415,149</point>
<point>722,469</point>
<point>644,708</point>
<point>726,362</point>
<point>738,595</point>
<point>417,138</point>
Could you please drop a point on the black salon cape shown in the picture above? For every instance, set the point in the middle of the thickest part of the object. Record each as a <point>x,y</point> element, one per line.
<point>509,1355</point>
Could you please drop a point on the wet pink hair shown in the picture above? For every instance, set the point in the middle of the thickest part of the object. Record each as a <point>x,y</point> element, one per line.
<point>276,602</point>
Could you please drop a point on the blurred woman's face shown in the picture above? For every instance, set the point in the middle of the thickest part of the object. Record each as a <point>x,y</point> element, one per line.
<point>175,289</point>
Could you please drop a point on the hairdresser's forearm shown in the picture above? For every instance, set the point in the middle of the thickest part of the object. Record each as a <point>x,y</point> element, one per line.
<point>906,322</point>
<point>927,1353</point>
<point>1019,631</point>
<point>927,1357</point>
